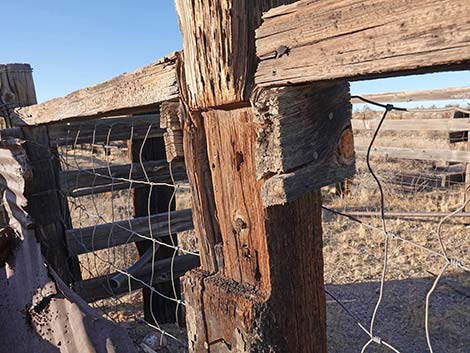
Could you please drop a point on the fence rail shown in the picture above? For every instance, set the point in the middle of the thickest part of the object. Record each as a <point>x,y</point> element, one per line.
<point>267,123</point>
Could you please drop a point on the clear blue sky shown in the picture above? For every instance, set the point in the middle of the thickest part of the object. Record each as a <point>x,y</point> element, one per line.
<point>74,44</point>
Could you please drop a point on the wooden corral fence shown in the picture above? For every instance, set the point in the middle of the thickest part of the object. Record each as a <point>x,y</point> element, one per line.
<point>266,119</point>
<point>147,134</point>
<point>454,122</point>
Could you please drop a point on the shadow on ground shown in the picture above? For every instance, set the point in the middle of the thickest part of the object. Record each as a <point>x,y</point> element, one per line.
<point>400,319</point>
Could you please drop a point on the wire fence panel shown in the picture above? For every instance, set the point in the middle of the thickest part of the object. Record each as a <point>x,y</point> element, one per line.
<point>99,179</point>
<point>372,233</point>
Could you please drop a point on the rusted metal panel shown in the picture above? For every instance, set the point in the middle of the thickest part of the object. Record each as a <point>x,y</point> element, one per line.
<point>38,312</point>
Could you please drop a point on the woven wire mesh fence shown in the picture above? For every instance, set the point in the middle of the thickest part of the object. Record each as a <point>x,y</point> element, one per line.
<point>131,223</point>
<point>396,247</point>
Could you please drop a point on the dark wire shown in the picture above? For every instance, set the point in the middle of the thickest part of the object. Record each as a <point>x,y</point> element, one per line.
<point>385,106</point>
<point>352,315</point>
<point>388,108</point>
<point>343,214</point>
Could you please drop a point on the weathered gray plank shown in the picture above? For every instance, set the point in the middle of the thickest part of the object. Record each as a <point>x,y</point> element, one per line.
<point>103,236</point>
<point>104,130</point>
<point>86,181</point>
<point>101,287</point>
<point>372,38</point>
<point>296,125</point>
<point>447,125</point>
<point>284,188</point>
<point>418,154</point>
<point>139,91</point>
<point>414,96</point>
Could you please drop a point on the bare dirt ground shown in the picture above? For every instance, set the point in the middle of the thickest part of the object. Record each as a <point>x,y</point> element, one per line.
<point>353,257</point>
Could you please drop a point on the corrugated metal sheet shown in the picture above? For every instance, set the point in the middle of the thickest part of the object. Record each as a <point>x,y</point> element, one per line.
<point>38,312</point>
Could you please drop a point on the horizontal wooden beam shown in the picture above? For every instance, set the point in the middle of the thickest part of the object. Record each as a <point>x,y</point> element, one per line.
<point>101,287</point>
<point>311,41</point>
<point>105,130</point>
<point>415,96</point>
<point>410,214</point>
<point>14,132</point>
<point>82,182</point>
<point>446,125</point>
<point>103,236</point>
<point>139,91</point>
<point>417,154</point>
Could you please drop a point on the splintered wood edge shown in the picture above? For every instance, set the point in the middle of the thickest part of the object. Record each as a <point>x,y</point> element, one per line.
<point>283,188</point>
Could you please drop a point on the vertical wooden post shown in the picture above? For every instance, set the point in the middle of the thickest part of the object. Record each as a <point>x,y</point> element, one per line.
<point>46,205</point>
<point>462,136</point>
<point>147,201</point>
<point>16,88</point>
<point>467,173</point>
<point>256,161</point>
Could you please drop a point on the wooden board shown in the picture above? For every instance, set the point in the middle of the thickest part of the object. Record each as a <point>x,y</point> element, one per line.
<point>414,96</point>
<point>299,125</point>
<point>16,86</point>
<point>417,153</point>
<point>446,125</point>
<point>139,91</point>
<point>98,288</point>
<point>105,130</point>
<point>103,236</point>
<point>86,181</point>
<point>311,41</point>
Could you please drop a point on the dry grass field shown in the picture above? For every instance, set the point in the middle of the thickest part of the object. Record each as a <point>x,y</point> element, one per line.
<point>353,254</point>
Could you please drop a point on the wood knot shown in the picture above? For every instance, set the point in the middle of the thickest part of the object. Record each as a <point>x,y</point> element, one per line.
<point>346,146</point>
<point>239,160</point>
<point>240,224</point>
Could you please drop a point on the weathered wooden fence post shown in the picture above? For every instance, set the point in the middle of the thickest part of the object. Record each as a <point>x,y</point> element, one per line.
<point>256,160</point>
<point>16,88</point>
<point>46,205</point>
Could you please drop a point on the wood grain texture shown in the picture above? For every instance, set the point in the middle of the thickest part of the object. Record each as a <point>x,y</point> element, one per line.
<point>417,153</point>
<point>99,288</point>
<point>446,125</point>
<point>139,91</point>
<point>303,130</point>
<point>299,125</point>
<point>414,96</point>
<point>227,316</point>
<point>47,206</point>
<point>196,160</point>
<point>231,148</point>
<point>199,176</point>
<point>171,122</point>
<point>73,181</point>
<point>368,39</point>
<point>105,130</point>
<point>16,85</point>
<point>103,236</point>
<point>219,49</point>
<point>306,330</point>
